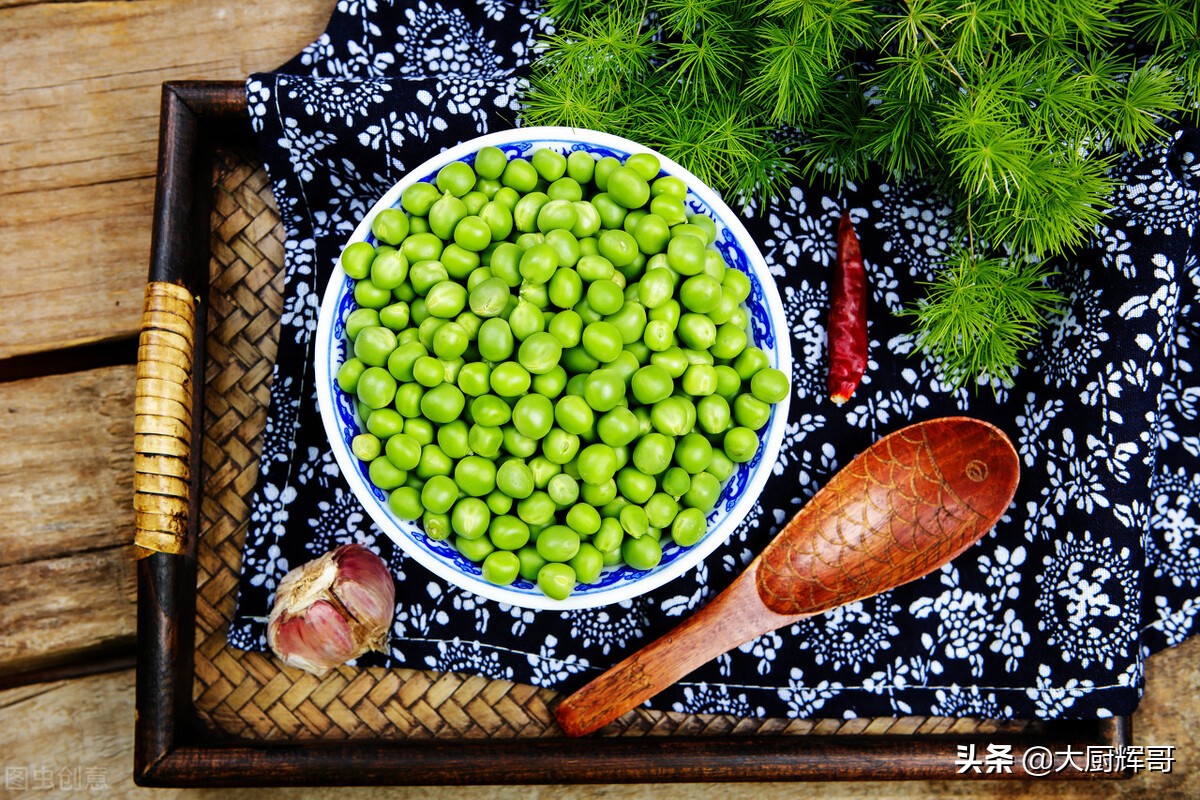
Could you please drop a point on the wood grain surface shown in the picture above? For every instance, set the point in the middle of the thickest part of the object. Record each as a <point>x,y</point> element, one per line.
<point>80,87</point>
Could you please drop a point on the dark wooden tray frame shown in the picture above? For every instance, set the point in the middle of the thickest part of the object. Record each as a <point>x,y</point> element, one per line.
<point>172,748</point>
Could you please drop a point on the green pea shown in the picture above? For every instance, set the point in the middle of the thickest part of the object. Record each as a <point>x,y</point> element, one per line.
<point>517,443</point>
<point>526,319</point>
<point>566,327</point>
<point>472,233</point>
<point>651,384</point>
<point>689,527</point>
<point>550,383</point>
<point>628,188</point>
<point>419,198</point>
<point>385,423</point>
<point>470,518</point>
<point>634,521</point>
<point>587,563</point>
<point>475,550</point>
<point>349,374</point>
<point>395,316</point>
<point>750,412</point>
<point>428,371</point>
<point>694,453</point>
<point>550,165</point>
<point>510,379</point>
<point>721,467</point>
<point>653,452</point>
<point>661,509</point>
<point>729,342</point>
<point>446,299</point>
<point>495,341</point>
<point>559,447</point>
<point>490,410</point>
<point>519,175</point>
<point>405,503</point>
<point>498,502</point>
<point>634,485</point>
<point>450,341</point>
<point>420,429</point>
<point>501,567</point>
<point>618,427</point>
<point>439,494</point>
<point>563,490</point>
<point>644,164</point>
<point>556,580</point>
<point>408,400</point>
<point>425,274</point>
<point>565,245</point>
<point>531,563</point>
<point>365,446</point>
<point>434,462</point>
<point>737,284</point>
<point>474,378</point>
<point>595,268</point>
<point>537,509</point>
<point>669,185</point>
<point>728,381</point>
<point>453,439</point>
<point>676,480</point>
<point>445,215</point>
<point>533,416</point>
<point>618,246</point>
<point>697,331</point>
<point>443,403</point>
<point>740,444</point>
<point>609,536</point>
<point>597,464</point>
<point>376,388</point>
<point>668,312</point>
<point>573,415</point>
<point>658,335</point>
<point>713,414</point>
<point>669,208</point>
<point>602,341</point>
<point>642,553</point>
<point>356,259</point>
<point>490,162</point>
<point>587,222</point>
<point>603,389</point>
<point>583,519</point>
<point>374,344</point>
<point>484,440</point>
<point>540,353</point>
<point>685,254</point>
<point>673,416</point>
<point>508,532</point>
<point>605,297</point>
<point>769,385</point>
<point>703,493</point>
<point>556,215</point>
<point>558,543</point>
<point>475,475</point>
<point>543,471</point>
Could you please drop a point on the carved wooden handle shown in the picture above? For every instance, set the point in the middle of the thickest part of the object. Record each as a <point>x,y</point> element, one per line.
<point>731,618</point>
<point>162,427</point>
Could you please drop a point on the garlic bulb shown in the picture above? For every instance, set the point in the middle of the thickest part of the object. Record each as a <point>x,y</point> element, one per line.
<point>332,609</point>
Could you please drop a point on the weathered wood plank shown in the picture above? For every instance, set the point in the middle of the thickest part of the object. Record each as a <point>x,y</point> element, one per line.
<point>66,465</point>
<point>78,143</point>
<point>59,609</point>
<point>67,584</point>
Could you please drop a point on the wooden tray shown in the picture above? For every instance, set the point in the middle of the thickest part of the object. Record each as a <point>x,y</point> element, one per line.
<point>210,715</point>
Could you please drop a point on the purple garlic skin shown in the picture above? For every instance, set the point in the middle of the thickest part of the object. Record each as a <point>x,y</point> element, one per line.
<point>332,609</point>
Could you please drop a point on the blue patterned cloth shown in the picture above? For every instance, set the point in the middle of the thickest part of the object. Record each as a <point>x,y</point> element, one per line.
<point>1095,566</point>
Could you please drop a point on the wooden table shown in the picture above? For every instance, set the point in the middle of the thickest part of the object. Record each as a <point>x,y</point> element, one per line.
<point>78,141</point>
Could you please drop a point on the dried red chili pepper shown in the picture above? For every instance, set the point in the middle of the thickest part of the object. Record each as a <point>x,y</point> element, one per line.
<point>847,333</point>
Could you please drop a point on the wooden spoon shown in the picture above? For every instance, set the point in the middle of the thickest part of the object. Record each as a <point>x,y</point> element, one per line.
<point>901,509</point>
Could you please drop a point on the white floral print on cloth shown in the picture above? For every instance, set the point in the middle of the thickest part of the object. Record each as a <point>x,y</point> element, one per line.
<point>1094,566</point>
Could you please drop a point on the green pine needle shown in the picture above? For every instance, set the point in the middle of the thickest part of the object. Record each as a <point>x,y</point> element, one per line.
<point>981,314</point>
<point>1014,109</point>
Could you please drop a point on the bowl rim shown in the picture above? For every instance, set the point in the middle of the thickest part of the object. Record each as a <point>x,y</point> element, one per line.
<point>694,555</point>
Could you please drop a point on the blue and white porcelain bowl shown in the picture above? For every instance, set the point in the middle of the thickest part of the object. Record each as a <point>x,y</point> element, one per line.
<point>769,332</point>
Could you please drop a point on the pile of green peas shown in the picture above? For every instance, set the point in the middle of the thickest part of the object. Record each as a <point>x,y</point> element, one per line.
<point>552,364</point>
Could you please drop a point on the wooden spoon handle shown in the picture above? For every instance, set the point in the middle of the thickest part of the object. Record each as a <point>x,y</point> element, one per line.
<point>733,617</point>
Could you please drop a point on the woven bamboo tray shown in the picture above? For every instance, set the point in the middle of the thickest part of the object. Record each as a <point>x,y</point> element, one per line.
<point>209,714</point>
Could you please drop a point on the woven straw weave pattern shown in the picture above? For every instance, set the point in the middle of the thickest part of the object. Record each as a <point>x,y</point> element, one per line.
<point>250,694</point>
